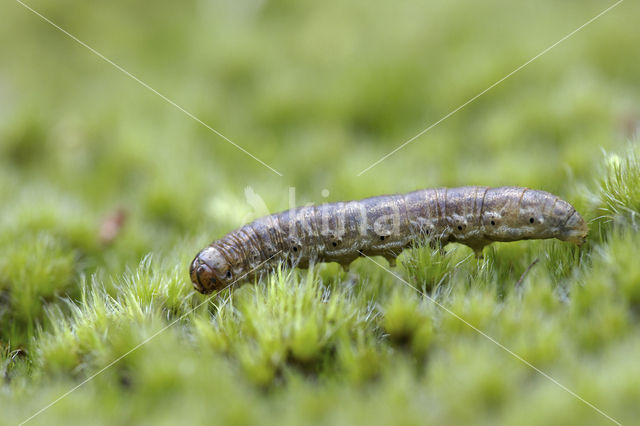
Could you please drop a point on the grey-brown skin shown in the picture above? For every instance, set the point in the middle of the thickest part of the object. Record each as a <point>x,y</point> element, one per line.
<point>384,226</point>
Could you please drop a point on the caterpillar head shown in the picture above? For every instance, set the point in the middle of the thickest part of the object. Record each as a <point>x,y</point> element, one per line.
<point>210,271</point>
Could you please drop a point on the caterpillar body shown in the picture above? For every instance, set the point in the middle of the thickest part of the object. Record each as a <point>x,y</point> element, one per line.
<point>385,225</point>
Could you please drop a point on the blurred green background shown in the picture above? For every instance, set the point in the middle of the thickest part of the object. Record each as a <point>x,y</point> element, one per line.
<point>107,192</point>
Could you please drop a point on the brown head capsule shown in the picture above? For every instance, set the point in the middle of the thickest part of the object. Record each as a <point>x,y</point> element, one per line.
<point>210,271</point>
<point>384,226</point>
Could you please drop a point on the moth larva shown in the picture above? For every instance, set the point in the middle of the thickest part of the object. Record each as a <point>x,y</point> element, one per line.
<point>385,225</point>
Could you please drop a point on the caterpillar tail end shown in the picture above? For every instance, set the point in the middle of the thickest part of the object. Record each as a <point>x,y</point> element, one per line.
<point>575,230</point>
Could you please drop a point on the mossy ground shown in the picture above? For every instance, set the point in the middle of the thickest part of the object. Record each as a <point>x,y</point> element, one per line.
<point>319,92</point>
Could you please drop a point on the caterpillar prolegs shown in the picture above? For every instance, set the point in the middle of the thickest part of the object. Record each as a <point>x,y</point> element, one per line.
<point>385,225</point>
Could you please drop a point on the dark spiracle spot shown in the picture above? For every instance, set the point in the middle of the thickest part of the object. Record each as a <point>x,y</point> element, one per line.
<point>334,244</point>
<point>229,274</point>
<point>493,222</point>
<point>459,228</point>
<point>381,237</point>
<point>531,220</point>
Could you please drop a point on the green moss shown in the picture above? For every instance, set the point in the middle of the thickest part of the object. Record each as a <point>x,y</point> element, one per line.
<point>35,271</point>
<point>620,189</point>
<point>319,92</point>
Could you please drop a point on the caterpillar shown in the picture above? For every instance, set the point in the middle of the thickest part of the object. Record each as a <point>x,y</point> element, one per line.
<point>384,226</point>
